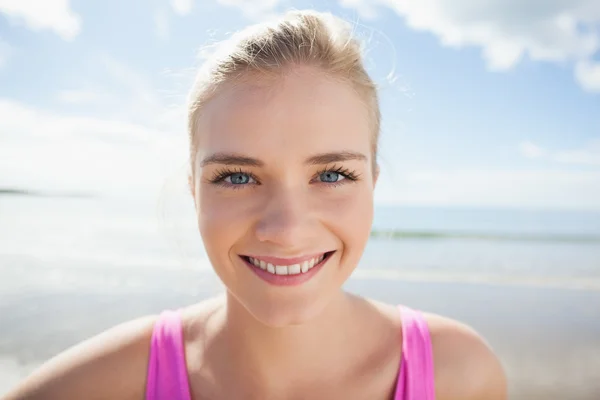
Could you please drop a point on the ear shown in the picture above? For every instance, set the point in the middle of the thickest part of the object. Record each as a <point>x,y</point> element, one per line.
<point>192,188</point>
<point>191,183</point>
<point>375,175</point>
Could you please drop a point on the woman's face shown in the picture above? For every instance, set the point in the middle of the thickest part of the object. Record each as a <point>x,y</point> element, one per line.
<point>284,176</point>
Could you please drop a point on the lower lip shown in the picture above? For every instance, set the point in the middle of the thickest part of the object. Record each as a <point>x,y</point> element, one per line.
<point>287,280</point>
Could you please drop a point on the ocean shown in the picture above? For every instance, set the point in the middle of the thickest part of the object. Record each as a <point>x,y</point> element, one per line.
<point>527,280</point>
<point>81,241</point>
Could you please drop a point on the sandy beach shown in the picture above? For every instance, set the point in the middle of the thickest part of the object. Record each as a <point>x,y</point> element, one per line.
<point>547,339</point>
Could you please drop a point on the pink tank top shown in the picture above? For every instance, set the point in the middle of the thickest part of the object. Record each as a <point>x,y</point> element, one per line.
<point>168,378</point>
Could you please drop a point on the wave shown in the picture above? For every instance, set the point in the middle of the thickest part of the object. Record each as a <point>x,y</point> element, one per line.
<point>35,193</point>
<point>515,237</point>
<point>554,282</point>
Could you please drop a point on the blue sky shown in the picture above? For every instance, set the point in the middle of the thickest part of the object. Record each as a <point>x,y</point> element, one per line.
<point>492,103</point>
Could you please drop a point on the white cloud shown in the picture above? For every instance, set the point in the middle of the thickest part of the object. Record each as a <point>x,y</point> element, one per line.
<point>133,80</point>
<point>123,141</point>
<point>132,93</point>
<point>507,31</point>
<point>531,150</point>
<point>79,96</point>
<point>366,9</point>
<point>588,75</point>
<point>588,155</point>
<point>48,14</point>
<point>127,94</point>
<point>20,121</point>
<point>494,188</point>
<point>253,9</point>
<point>5,52</point>
<point>161,22</point>
<point>43,150</point>
<point>182,7</point>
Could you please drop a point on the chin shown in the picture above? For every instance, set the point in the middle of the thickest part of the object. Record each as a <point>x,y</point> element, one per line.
<point>282,306</point>
<point>281,313</point>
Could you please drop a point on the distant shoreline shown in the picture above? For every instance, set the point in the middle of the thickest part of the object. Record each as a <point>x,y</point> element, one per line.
<point>395,234</point>
<point>34,193</point>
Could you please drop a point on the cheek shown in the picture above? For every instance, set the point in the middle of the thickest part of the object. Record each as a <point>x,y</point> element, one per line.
<point>226,216</point>
<point>350,216</point>
<point>222,218</point>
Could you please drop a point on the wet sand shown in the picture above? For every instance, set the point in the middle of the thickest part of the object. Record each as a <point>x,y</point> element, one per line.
<point>547,339</point>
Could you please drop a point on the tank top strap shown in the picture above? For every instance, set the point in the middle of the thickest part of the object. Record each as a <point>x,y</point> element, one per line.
<point>416,379</point>
<point>167,373</point>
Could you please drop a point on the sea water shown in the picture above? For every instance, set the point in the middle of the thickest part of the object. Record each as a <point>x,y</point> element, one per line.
<point>61,243</point>
<point>72,267</point>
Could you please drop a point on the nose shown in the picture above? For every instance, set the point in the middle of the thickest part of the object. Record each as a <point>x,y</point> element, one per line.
<point>286,219</point>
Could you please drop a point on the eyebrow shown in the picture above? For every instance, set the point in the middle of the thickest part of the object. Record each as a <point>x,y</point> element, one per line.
<point>230,159</point>
<point>318,159</point>
<point>327,158</point>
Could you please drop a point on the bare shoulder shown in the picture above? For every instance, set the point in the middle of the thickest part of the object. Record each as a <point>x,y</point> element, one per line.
<point>111,365</point>
<point>196,328</point>
<point>466,368</point>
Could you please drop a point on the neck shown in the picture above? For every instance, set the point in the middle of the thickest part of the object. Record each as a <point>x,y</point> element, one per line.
<point>322,347</point>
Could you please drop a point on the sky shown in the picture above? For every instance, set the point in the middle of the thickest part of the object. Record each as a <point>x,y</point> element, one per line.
<point>494,103</point>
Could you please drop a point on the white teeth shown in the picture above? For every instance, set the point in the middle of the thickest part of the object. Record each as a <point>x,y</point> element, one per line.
<point>293,269</point>
<point>305,266</point>
<point>281,270</point>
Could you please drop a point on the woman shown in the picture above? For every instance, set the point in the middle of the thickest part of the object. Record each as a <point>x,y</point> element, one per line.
<point>283,126</point>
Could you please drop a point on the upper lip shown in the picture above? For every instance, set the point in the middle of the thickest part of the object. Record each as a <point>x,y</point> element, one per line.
<point>287,260</point>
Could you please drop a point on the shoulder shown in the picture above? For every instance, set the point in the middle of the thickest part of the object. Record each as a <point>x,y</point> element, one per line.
<point>197,325</point>
<point>466,368</point>
<point>109,365</point>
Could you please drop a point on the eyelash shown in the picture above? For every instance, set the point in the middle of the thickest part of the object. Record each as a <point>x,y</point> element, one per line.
<point>345,172</point>
<point>220,175</point>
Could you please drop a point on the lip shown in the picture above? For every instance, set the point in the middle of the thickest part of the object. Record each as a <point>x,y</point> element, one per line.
<point>287,261</point>
<point>287,280</point>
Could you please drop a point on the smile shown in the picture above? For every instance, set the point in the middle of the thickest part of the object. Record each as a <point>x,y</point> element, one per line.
<point>280,271</point>
<point>292,269</point>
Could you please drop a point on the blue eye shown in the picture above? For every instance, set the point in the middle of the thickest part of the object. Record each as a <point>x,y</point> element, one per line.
<point>238,178</point>
<point>331,177</point>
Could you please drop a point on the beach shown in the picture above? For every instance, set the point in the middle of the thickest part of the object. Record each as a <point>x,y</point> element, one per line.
<point>71,268</point>
<point>548,339</point>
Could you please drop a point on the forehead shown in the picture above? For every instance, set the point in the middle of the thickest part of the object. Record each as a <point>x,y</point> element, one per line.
<point>300,113</point>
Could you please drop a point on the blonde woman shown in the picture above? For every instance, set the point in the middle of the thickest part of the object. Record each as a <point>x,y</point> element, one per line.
<point>283,128</point>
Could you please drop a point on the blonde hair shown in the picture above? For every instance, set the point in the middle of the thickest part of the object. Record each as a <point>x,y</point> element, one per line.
<point>306,38</point>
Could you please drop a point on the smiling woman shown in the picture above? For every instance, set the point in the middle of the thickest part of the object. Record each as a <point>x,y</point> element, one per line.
<point>283,131</point>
